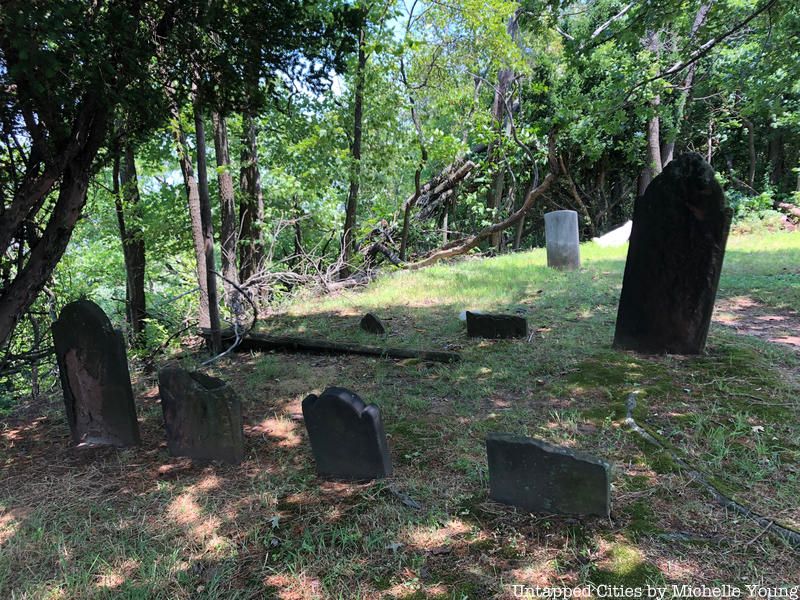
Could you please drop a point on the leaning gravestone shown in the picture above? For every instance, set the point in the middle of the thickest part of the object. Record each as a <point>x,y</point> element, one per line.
<point>677,245</point>
<point>496,326</point>
<point>94,377</point>
<point>202,416</point>
<point>372,324</point>
<point>347,437</point>
<point>561,238</point>
<point>539,477</point>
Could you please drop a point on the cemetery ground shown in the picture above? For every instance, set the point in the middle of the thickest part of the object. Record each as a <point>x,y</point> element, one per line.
<point>136,523</point>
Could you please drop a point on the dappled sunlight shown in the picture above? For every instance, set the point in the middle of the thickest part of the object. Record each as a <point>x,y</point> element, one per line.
<point>10,522</point>
<point>541,572</point>
<point>113,576</point>
<point>281,430</point>
<point>433,536</point>
<point>297,586</point>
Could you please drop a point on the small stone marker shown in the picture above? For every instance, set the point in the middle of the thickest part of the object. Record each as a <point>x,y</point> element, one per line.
<point>561,237</point>
<point>372,324</point>
<point>93,367</point>
<point>538,477</point>
<point>496,326</point>
<point>347,436</point>
<point>202,416</point>
<point>680,227</point>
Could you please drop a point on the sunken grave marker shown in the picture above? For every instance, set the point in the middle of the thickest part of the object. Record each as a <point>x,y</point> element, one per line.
<point>347,436</point>
<point>93,368</point>
<point>494,326</point>
<point>539,477</point>
<point>372,324</point>
<point>202,416</point>
<point>677,245</point>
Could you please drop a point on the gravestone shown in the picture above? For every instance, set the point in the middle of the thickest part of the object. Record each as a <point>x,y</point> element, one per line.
<point>372,324</point>
<point>347,437</point>
<point>561,238</point>
<point>496,326</point>
<point>539,477</point>
<point>93,367</point>
<point>677,245</point>
<point>202,416</point>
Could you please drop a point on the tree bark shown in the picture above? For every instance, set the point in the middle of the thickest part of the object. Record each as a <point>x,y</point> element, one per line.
<point>227,209</point>
<point>504,78</point>
<point>207,228</point>
<point>193,200</point>
<point>127,200</point>
<point>751,150</point>
<point>668,150</point>
<point>654,163</point>
<point>251,206</point>
<point>355,156</point>
<point>776,159</point>
<point>18,296</point>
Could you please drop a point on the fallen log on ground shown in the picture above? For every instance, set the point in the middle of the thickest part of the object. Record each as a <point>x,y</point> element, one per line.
<point>264,343</point>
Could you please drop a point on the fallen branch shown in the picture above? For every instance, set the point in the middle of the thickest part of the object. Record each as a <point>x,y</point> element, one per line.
<point>458,247</point>
<point>263,343</point>
<point>788,535</point>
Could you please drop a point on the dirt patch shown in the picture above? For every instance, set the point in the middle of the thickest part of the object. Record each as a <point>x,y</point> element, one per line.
<point>749,317</point>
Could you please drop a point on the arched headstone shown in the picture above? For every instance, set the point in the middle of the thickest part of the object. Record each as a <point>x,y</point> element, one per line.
<point>347,437</point>
<point>561,237</point>
<point>202,416</point>
<point>680,227</point>
<point>95,379</point>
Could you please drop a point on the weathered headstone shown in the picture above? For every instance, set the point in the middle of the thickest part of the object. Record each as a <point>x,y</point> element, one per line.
<point>677,245</point>
<point>95,379</point>
<point>539,477</point>
<point>561,237</point>
<point>347,437</point>
<point>496,326</point>
<point>372,324</point>
<point>202,416</point>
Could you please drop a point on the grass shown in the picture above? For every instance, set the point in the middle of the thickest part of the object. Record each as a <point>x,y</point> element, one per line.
<point>137,523</point>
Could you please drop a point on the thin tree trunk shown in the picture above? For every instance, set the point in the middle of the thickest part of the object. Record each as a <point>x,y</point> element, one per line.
<point>668,150</point>
<point>654,163</point>
<point>251,206</point>
<point>355,156</point>
<point>132,238</point>
<point>207,226</point>
<point>751,149</point>
<point>497,186</point>
<point>227,209</point>
<point>193,199</point>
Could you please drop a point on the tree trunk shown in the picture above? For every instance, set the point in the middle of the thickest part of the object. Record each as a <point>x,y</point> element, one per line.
<point>193,199</point>
<point>751,150</point>
<point>654,163</point>
<point>504,79</point>
<point>227,210</point>
<point>355,156</point>
<point>776,159</point>
<point>17,297</point>
<point>251,206</point>
<point>207,228</point>
<point>668,150</point>
<point>127,199</point>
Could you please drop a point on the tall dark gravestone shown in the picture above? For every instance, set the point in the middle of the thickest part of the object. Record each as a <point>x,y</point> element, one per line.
<point>539,477</point>
<point>95,379</point>
<point>202,416</point>
<point>347,437</point>
<point>677,245</point>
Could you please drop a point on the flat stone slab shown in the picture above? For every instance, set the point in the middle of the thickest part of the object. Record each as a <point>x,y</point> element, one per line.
<point>677,245</point>
<point>542,478</point>
<point>93,367</point>
<point>496,326</point>
<point>202,416</point>
<point>347,436</point>
<point>372,324</point>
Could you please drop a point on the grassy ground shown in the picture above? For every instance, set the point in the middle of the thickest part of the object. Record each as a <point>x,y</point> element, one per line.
<point>138,524</point>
